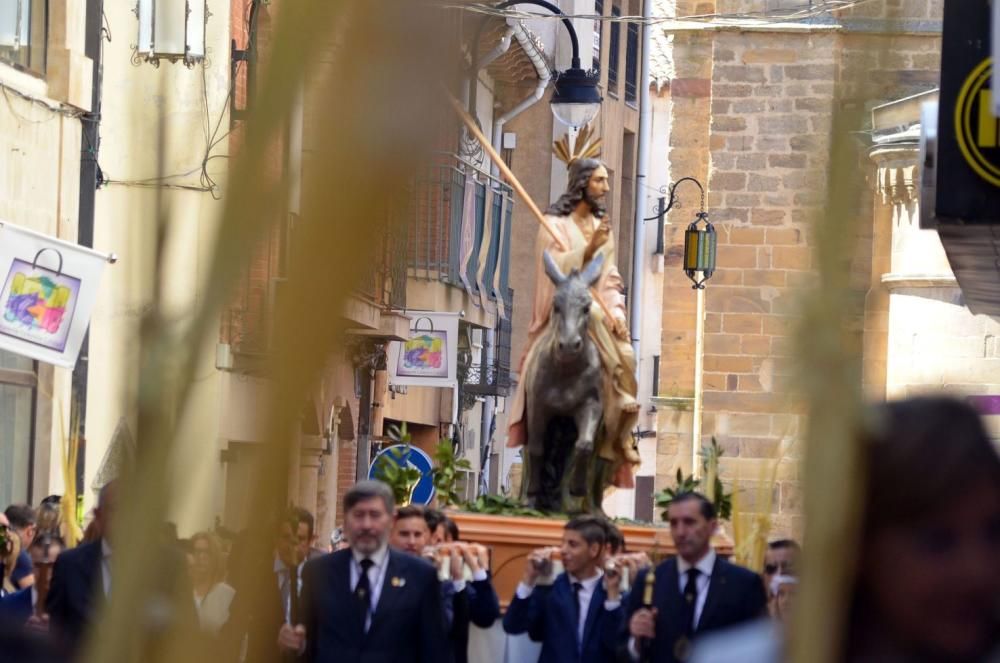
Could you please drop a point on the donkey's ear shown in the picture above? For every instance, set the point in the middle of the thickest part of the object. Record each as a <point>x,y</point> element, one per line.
<point>552,269</point>
<point>592,271</point>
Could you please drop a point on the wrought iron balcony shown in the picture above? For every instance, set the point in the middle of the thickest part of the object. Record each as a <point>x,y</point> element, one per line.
<point>460,230</point>
<point>492,378</point>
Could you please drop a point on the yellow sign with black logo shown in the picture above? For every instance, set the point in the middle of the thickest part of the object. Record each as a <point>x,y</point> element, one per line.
<point>976,128</point>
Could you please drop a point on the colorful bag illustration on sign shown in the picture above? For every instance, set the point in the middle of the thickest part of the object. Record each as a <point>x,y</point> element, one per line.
<point>425,354</point>
<point>38,304</point>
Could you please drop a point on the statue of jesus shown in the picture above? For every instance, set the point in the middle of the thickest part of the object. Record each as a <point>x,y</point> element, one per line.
<point>578,218</point>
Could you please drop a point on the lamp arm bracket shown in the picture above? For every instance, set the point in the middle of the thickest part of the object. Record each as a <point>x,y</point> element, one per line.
<point>673,195</point>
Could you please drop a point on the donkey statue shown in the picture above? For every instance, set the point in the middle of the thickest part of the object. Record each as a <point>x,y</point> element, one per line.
<point>563,391</point>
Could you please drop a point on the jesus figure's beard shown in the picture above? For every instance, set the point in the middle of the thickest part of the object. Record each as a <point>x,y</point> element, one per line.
<point>597,207</point>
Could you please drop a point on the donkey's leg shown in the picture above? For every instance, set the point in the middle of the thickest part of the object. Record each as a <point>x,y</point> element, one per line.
<point>534,451</point>
<point>588,417</point>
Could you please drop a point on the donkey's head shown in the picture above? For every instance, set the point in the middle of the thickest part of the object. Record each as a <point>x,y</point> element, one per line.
<point>571,304</point>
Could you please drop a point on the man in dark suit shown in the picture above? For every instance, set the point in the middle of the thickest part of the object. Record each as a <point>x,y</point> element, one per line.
<point>484,605</point>
<point>369,604</point>
<point>578,616</point>
<point>82,578</point>
<point>474,602</point>
<point>412,533</point>
<point>82,581</point>
<point>694,593</point>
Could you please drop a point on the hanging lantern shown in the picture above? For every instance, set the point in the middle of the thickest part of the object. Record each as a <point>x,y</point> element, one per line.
<point>699,251</point>
<point>172,30</point>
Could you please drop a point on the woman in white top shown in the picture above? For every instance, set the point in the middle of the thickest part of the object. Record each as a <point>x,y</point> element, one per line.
<point>212,596</point>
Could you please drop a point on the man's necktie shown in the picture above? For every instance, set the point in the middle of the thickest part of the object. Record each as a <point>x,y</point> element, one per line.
<point>363,590</point>
<point>576,608</point>
<point>293,595</point>
<point>690,601</point>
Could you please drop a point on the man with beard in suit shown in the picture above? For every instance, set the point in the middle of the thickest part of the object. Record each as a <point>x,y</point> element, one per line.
<point>369,603</point>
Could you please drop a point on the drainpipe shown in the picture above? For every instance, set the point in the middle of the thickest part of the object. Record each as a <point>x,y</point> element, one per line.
<point>478,65</point>
<point>502,47</point>
<point>90,174</point>
<point>544,76</point>
<point>699,374</point>
<point>642,167</point>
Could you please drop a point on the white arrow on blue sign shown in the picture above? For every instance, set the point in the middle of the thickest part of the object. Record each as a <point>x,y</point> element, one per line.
<point>413,457</point>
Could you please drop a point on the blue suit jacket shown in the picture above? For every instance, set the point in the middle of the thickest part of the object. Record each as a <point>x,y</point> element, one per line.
<point>476,604</point>
<point>16,608</point>
<point>484,606</point>
<point>407,626</point>
<point>549,616</point>
<point>735,595</point>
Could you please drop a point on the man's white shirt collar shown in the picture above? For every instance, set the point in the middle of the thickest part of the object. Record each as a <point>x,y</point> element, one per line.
<point>378,557</point>
<point>705,565</point>
<point>590,583</point>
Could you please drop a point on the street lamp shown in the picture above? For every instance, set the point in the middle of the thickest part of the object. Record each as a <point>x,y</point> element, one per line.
<point>699,242</point>
<point>173,31</point>
<point>576,100</point>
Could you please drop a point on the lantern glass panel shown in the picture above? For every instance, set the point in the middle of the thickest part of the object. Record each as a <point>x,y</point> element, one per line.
<point>169,27</point>
<point>196,30</point>
<point>691,248</point>
<point>145,43</point>
<point>575,115</point>
<point>711,240</point>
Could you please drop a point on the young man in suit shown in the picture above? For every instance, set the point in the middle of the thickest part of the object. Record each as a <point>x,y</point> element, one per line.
<point>368,603</point>
<point>577,617</point>
<point>475,602</point>
<point>694,593</point>
<point>484,605</point>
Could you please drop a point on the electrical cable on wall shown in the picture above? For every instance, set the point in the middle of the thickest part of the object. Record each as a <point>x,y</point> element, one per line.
<point>797,13</point>
<point>54,110</point>
<point>207,183</point>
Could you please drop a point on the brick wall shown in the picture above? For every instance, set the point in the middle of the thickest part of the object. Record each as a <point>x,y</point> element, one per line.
<point>751,114</point>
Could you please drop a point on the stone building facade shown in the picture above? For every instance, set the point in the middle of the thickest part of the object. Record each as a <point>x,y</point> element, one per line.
<point>46,81</point>
<point>749,105</point>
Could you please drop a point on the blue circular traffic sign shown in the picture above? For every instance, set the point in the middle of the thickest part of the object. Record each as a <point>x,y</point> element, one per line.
<point>423,493</point>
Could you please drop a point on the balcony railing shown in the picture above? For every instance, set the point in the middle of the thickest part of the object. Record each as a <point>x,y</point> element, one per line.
<point>493,378</point>
<point>384,281</point>
<point>459,211</point>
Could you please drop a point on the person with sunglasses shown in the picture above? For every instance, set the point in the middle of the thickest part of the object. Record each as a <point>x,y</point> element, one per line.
<point>27,606</point>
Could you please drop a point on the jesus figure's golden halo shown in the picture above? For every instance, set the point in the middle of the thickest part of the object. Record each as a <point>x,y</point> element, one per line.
<point>586,146</point>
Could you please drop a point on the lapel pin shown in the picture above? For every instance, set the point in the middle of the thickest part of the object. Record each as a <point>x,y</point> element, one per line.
<point>397,581</point>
